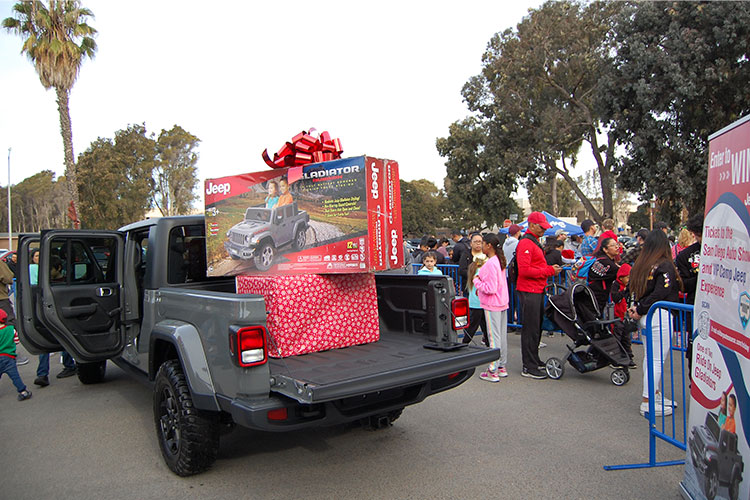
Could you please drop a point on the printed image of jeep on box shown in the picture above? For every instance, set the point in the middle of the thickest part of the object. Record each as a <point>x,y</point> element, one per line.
<point>341,216</point>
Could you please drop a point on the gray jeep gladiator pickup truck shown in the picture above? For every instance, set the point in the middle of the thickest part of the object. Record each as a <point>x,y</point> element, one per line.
<point>140,297</point>
<point>264,230</point>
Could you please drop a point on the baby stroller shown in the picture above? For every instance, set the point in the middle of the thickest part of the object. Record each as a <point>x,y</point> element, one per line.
<point>577,314</point>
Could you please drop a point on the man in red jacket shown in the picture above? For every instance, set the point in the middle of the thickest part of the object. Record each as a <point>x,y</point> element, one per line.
<point>533,272</point>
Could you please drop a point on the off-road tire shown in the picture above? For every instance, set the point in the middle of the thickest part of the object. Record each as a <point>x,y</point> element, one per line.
<point>263,258</point>
<point>92,373</point>
<point>188,438</point>
<point>734,488</point>
<point>711,483</point>
<point>300,236</point>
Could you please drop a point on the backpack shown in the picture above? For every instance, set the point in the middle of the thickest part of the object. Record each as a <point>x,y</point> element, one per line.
<point>513,264</point>
<point>581,268</point>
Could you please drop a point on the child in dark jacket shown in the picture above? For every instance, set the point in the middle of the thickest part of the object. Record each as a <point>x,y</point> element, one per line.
<point>619,293</point>
<point>8,357</point>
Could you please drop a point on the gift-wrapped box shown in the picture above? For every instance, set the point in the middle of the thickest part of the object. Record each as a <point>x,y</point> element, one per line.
<point>311,313</point>
<point>338,217</point>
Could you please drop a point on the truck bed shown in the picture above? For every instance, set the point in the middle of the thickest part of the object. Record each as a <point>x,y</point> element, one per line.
<point>395,360</point>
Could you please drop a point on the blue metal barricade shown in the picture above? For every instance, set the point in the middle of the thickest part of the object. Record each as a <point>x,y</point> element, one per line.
<point>448,270</point>
<point>515,312</point>
<point>678,326</point>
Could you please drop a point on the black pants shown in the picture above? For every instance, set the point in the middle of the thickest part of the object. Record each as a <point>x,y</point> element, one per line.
<point>531,330</point>
<point>618,330</point>
<point>476,320</point>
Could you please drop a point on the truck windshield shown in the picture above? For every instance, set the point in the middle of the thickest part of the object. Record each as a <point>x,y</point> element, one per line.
<point>712,425</point>
<point>260,214</point>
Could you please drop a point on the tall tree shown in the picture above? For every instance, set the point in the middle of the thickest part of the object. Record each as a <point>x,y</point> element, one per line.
<point>478,187</point>
<point>540,198</point>
<point>681,74</point>
<point>175,171</point>
<point>116,178</point>
<point>421,206</point>
<point>536,95</point>
<point>56,39</point>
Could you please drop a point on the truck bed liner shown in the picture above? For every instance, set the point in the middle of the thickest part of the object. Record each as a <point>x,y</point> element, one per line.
<point>396,360</point>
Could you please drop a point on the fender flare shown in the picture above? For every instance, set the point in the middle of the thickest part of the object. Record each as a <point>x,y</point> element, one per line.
<point>184,337</point>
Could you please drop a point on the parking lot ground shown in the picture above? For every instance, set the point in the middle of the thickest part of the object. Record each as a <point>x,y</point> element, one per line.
<point>519,438</point>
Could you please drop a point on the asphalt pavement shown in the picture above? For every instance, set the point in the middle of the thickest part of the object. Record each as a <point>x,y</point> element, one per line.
<point>519,438</point>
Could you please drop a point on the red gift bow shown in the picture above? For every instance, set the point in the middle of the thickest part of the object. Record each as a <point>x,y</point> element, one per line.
<point>305,148</point>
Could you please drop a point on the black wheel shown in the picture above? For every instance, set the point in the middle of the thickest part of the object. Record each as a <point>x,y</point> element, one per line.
<point>188,438</point>
<point>234,257</point>
<point>554,368</point>
<point>300,237</point>
<point>382,421</point>
<point>711,483</point>
<point>92,373</point>
<point>734,488</point>
<point>264,257</point>
<point>619,377</point>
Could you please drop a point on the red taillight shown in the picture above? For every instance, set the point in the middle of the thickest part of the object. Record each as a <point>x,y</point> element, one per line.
<point>248,345</point>
<point>460,313</point>
<point>277,414</point>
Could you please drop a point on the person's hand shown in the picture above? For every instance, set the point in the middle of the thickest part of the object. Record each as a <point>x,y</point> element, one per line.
<point>557,268</point>
<point>633,313</point>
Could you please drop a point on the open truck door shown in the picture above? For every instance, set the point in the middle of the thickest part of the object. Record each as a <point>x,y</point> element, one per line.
<point>81,293</point>
<point>34,334</point>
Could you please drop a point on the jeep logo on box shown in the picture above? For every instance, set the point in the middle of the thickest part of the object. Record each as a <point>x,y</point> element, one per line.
<point>212,188</point>
<point>374,176</point>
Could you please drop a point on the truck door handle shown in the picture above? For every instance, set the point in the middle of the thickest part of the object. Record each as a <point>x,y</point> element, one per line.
<point>74,311</point>
<point>104,292</point>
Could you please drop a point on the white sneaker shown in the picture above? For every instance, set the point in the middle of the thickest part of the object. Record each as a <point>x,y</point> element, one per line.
<point>659,410</point>
<point>542,344</point>
<point>665,402</point>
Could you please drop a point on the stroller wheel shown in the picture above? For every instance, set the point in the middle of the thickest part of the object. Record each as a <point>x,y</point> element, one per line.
<point>554,368</point>
<point>619,377</point>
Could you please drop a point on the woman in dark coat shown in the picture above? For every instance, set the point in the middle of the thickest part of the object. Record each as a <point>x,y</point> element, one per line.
<point>604,270</point>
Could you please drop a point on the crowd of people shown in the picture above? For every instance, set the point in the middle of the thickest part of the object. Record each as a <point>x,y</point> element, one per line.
<point>625,282</point>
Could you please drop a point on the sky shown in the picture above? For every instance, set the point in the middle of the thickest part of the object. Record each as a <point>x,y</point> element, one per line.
<point>384,77</point>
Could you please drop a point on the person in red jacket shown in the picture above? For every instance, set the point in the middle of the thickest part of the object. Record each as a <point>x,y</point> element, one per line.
<point>533,272</point>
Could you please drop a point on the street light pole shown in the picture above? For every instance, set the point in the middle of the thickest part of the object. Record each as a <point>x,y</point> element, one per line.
<point>10,238</point>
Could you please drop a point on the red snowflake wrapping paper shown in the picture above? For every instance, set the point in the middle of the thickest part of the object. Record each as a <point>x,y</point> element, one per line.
<point>314,312</point>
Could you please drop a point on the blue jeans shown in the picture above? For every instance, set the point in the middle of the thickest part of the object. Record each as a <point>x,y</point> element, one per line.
<point>8,365</point>
<point>43,369</point>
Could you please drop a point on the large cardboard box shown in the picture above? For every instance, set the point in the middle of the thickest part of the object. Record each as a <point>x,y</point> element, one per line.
<point>313,313</point>
<point>341,216</point>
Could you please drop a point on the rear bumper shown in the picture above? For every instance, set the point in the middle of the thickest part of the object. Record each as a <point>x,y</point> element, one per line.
<point>254,415</point>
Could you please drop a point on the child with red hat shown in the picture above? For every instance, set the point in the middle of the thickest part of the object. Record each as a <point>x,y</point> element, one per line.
<point>619,293</point>
<point>8,357</point>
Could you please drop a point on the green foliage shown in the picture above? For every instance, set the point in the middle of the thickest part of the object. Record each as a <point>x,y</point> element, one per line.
<point>640,218</point>
<point>681,74</point>
<point>421,206</point>
<point>56,40</point>
<point>175,171</point>
<point>481,175</point>
<point>535,104</point>
<point>540,198</point>
<point>115,181</point>
<point>38,202</point>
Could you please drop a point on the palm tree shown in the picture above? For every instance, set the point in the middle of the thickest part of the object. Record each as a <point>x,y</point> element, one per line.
<point>57,39</point>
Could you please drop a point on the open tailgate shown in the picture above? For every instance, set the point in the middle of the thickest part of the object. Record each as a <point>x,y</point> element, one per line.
<point>396,360</point>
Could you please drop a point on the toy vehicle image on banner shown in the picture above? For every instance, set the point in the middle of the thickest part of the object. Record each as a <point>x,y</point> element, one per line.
<point>264,231</point>
<point>340,216</point>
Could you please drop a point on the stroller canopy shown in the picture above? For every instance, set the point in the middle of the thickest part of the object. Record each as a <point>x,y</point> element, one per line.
<point>577,304</point>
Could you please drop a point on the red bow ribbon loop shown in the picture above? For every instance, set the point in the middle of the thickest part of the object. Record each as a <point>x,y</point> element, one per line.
<point>305,148</point>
